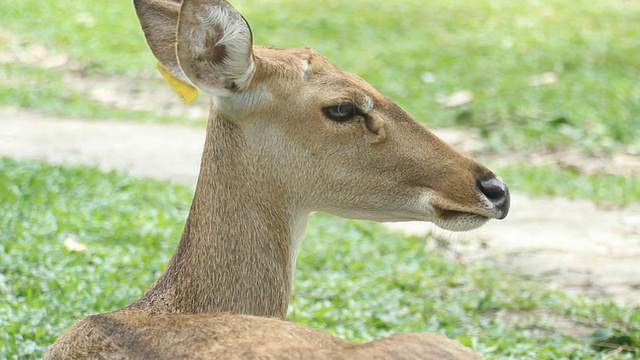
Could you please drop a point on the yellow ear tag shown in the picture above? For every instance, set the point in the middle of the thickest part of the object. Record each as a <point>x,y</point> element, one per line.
<point>186,92</point>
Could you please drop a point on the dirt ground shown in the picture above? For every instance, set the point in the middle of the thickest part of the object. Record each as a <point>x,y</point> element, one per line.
<point>574,245</point>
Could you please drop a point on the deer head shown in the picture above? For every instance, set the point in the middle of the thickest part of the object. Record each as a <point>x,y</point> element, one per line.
<point>324,138</point>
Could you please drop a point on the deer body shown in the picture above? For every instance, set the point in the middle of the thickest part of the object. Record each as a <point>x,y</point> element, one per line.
<point>289,133</point>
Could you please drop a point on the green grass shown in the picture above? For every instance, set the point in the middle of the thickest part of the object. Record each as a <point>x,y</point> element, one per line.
<point>490,47</point>
<point>354,279</point>
<point>549,180</point>
<point>36,88</point>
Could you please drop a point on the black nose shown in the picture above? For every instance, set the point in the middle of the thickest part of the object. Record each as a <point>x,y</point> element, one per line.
<point>497,192</point>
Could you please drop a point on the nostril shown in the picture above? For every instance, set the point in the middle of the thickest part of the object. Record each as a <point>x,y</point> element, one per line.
<point>496,191</point>
<point>492,188</point>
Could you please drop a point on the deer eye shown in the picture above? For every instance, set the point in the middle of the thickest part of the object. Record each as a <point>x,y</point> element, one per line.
<point>341,112</point>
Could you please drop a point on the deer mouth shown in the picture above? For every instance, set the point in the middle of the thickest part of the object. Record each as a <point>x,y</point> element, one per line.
<point>454,214</point>
<point>455,220</point>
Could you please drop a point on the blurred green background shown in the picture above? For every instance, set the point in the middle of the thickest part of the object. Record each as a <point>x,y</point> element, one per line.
<point>542,73</point>
<point>536,75</point>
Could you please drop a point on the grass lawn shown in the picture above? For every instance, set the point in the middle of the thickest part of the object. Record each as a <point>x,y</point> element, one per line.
<point>354,279</point>
<point>550,180</point>
<point>582,54</point>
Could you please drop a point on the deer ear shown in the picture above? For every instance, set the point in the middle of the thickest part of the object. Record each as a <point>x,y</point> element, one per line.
<point>159,22</point>
<point>215,46</point>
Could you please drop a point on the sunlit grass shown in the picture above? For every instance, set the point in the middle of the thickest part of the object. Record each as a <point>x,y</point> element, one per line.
<point>549,180</point>
<point>412,51</point>
<point>354,279</point>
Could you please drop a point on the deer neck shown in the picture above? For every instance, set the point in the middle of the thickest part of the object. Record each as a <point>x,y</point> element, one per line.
<point>238,248</point>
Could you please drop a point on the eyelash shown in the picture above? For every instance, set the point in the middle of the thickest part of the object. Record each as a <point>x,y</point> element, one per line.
<point>344,111</point>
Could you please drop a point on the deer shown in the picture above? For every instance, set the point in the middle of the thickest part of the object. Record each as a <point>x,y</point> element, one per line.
<point>288,133</point>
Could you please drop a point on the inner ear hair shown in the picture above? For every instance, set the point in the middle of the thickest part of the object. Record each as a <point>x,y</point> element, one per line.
<point>215,47</point>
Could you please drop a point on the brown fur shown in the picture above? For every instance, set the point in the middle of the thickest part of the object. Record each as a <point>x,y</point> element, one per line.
<point>136,335</point>
<point>270,158</point>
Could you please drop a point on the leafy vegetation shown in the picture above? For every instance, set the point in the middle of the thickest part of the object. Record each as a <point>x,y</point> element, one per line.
<point>542,73</point>
<point>354,279</point>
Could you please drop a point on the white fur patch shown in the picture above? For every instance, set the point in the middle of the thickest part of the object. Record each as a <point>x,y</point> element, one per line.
<point>425,201</point>
<point>367,103</point>
<point>212,17</point>
<point>242,101</point>
<point>428,200</point>
<point>298,231</point>
<point>227,27</point>
<point>305,67</point>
